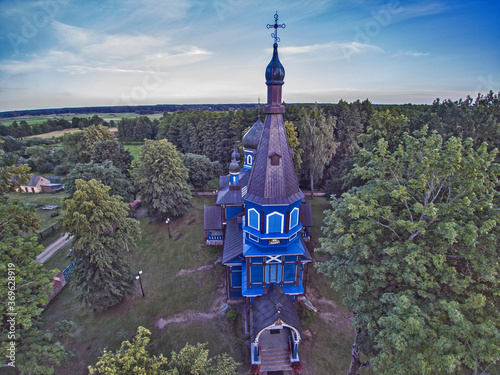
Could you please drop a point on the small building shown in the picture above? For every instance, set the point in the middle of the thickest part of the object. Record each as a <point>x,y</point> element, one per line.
<point>35,184</point>
<point>52,188</point>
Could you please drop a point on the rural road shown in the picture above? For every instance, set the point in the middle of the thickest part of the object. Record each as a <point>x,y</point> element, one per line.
<point>53,247</point>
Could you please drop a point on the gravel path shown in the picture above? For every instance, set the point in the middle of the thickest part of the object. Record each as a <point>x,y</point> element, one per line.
<point>53,247</point>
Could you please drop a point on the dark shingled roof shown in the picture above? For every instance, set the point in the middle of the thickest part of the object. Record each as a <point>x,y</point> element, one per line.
<point>212,218</point>
<point>307,255</point>
<point>252,137</point>
<point>233,240</point>
<point>228,196</point>
<point>306,215</point>
<point>273,184</point>
<point>270,307</point>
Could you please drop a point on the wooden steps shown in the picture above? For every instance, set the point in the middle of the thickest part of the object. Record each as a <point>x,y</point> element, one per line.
<point>274,360</point>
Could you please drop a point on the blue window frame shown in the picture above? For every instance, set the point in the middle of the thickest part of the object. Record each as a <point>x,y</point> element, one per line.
<point>273,273</point>
<point>253,219</point>
<point>294,218</point>
<point>236,279</point>
<point>275,223</point>
<point>256,274</point>
<point>289,272</point>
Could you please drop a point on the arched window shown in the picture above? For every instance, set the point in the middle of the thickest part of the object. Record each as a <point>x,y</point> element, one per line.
<point>253,219</point>
<point>249,159</point>
<point>275,222</point>
<point>294,218</point>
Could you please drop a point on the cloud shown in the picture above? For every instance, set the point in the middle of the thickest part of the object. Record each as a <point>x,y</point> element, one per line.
<point>421,9</point>
<point>410,54</point>
<point>335,50</point>
<point>82,51</point>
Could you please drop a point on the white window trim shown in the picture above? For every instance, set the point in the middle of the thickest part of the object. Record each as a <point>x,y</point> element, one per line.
<point>253,238</point>
<point>258,218</point>
<point>282,221</point>
<point>292,237</point>
<point>249,159</point>
<point>291,214</point>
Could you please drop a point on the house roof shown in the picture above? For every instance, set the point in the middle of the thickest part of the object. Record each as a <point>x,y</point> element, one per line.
<point>307,254</point>
<point>273,184</point>
<point>233,240</point>
<point>306,216</point>
<point>274,305</point>
<point>228,196</point>
<point>212,218</point>
<point>33,182</point>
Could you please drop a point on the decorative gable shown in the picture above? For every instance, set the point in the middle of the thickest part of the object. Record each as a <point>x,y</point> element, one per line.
<point>275,158</point>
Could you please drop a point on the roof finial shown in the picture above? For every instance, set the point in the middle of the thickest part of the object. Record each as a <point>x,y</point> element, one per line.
<point>275,27</point>
<point>258,108</point>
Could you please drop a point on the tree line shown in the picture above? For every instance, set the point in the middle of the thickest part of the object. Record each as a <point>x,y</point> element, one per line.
<point>23,129</point>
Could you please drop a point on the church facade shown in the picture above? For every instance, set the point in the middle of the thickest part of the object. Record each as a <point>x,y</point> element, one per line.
<point>262,221</point>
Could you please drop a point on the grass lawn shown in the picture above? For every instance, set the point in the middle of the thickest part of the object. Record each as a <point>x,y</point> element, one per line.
<point>195,295</point>
<point>42,199</point>
<point>134,150</point>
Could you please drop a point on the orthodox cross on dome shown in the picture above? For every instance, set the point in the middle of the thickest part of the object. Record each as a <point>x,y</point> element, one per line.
<point>276,27</point>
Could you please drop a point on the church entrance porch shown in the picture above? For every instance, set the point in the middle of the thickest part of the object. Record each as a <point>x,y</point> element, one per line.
<point>275,331</point>
<point>275,350</point>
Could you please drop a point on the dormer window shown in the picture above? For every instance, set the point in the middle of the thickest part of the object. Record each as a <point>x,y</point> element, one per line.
<point>275,158</point>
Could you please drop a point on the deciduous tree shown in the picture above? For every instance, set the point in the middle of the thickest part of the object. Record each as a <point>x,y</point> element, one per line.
<point>106,173</point>
<point>161,177</point>
<point>25,284</point>
<point>134,358</point>
<point>115,152</point>
<point>416,251</point>
<point>318,142</point>
<point>102,231</point>
<point>200,169</point>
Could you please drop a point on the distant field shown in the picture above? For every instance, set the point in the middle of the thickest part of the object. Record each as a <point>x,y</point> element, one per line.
<point>32,120</point>
<point>55,134</point>
<point>59,133</point>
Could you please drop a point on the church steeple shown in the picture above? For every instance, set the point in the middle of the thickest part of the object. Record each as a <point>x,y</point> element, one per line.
<point>275,73</point>
<point>273,179</point>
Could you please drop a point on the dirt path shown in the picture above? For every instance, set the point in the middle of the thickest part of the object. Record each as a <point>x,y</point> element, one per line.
<point>218,307</point>
<point>53,247</point>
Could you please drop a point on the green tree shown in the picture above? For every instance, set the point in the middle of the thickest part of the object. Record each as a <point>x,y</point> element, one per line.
<point>416,251</point>
<point>161,178</point>
<point>25,284</point>
<point>106,173</point>
<point>102,231</point>
<point>134,358</point>
<point>80,145</point>
<point>200,169</point>
<point>318,142</point>
<point>115,152</point>
<point>293,142</point>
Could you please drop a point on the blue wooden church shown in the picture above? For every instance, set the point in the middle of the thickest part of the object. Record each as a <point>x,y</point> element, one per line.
<point>263,222</point>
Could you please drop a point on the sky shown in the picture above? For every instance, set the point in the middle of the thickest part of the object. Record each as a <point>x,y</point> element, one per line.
<point>72,53</point>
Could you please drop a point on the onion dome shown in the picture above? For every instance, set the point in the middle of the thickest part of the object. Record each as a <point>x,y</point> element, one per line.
<point>252,138</point>
<point>275,73</point>
<point>234,167</point>
<point>235,155</point>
